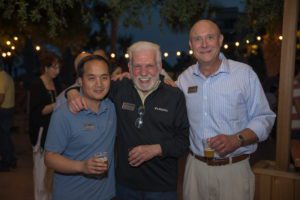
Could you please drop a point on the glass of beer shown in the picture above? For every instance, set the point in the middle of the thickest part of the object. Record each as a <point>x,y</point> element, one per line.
<point>102,156</point>
<point>209,153</point>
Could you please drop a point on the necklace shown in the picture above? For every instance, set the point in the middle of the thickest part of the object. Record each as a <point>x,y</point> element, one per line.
<point>52,94</point>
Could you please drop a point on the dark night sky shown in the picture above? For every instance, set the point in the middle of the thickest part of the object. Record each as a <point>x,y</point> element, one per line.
<point>169,41</point>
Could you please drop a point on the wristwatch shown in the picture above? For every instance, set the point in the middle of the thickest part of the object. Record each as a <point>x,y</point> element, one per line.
<point>241,139</point>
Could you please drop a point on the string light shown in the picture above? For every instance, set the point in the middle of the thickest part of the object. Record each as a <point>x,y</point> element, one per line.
<point>165,54</point>
<point>258,38</point>
<point>254,46</point>
<point>112,55</point>
<point>38,48</point>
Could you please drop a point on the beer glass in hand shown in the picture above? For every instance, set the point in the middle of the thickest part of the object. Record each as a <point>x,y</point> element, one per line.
<point>209,153</point>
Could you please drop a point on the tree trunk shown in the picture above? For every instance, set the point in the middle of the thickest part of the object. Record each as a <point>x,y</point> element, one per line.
<point>271,52</point>
<point>114,29</point>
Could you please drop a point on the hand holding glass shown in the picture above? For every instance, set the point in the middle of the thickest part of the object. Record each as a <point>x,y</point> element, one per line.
<point>102,156</point>
<point>209,153</point>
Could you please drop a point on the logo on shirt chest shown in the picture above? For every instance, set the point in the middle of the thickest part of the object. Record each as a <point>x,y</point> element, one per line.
<point>161,109</point>
<point>192,89</point>
<point>88,127</point>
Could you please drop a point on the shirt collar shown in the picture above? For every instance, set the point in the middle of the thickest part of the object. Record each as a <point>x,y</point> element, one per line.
<point>103,108</point>
<point>224,67</point>
<point>144,96</point>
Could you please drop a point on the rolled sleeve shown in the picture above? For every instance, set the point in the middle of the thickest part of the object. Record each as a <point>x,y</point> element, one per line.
<point>262,118</point>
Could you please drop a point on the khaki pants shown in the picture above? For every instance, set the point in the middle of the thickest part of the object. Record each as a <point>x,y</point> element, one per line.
<point>226,182</point>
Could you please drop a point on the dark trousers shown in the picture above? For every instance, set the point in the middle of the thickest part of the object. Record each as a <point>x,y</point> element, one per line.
<point>6,145</point>
<point>125,193</point>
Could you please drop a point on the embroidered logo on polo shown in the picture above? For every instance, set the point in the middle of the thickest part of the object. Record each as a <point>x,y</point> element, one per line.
<point>128,106</point>
<point>192,89</point>
<point>161,109</point>
<point>88,127</point>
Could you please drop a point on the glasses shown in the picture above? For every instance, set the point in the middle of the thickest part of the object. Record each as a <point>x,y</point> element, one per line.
<point>139,121</point>
<point>55,66</point>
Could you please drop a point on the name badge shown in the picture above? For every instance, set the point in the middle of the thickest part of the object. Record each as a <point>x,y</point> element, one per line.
<point>192,89</point>
<point>128,106</point>
<point>88,127</point>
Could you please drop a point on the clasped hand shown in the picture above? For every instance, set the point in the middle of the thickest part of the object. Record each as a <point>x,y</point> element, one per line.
<point>142,153</point>
<point>224,144</point>
<point>94,165</point>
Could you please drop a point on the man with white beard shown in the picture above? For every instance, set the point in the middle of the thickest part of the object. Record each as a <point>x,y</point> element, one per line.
<point>152,127</point>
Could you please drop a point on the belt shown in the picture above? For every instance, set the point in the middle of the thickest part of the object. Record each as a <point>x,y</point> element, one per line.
<point>220,161</point>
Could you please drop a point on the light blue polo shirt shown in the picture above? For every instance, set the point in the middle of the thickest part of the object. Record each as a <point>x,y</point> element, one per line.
<point>79,137</point>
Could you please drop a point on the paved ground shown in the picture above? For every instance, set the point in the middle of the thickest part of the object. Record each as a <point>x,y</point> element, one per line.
<point>17,184</point>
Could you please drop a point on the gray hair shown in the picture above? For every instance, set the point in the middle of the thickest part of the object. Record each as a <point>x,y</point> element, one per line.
<point>144,45</point>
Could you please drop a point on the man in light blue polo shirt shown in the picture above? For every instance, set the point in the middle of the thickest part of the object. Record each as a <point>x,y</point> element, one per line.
<point>73,140</point>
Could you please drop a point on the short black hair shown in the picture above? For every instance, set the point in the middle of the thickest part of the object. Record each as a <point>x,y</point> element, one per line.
<point>90,58</point>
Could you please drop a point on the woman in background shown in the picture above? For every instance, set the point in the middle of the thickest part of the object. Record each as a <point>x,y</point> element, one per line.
<point>42,102</point>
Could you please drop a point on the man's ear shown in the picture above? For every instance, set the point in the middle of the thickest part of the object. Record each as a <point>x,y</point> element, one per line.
<point>160,67</point>
<point>221,38</point>
<point>129,67</point>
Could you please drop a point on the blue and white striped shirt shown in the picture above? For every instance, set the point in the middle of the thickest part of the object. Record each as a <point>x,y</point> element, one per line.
<point>225,102</point>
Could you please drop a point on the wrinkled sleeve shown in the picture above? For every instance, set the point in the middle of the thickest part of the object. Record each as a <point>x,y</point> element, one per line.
<point>261,117</point>
<point>179,144</point>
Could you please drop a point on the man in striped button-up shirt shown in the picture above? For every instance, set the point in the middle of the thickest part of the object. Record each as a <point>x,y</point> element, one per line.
<point>226,104</point>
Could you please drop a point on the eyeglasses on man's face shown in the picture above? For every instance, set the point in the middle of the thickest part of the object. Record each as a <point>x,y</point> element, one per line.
<point>139,121</point>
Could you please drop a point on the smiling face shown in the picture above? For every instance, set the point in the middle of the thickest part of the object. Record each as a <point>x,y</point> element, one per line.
<point>206,41</point>
<point>95,80</point>
<point>144,69</point>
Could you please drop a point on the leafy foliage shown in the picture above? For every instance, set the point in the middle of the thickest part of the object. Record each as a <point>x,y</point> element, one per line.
<point>54,21</point>
<point>58,20</point>
<point>263,16</point>
<point>181,14</point>
<point>37,11</point>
